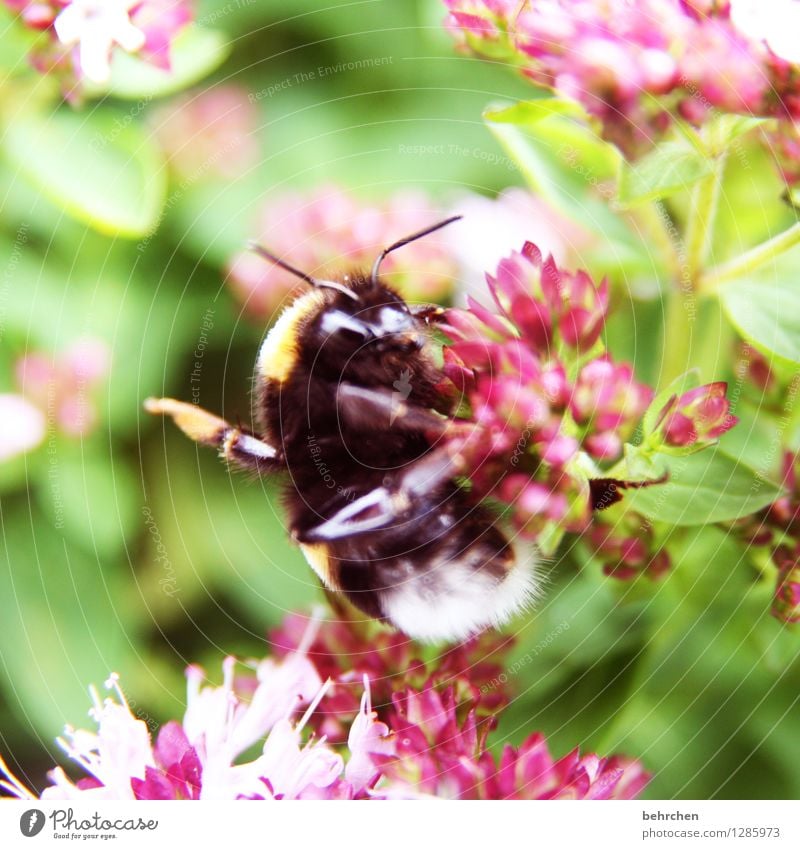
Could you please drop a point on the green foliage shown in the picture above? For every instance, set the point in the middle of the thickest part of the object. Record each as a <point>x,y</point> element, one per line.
<point>668,169</point>
<point>104,172</point>
<point>702,488</point>
<point>195,53</point>
<point>767,314</point>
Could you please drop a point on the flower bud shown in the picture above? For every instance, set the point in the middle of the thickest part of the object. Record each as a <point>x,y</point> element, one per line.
<point>608,403</point>
<point>786,603</point>
<point>698,417</point>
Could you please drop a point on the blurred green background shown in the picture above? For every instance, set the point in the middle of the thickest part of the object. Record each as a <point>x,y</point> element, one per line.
<point>130,550</point>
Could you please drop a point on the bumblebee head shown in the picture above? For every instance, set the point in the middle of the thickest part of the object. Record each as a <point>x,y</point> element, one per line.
<point>359,322</point>
<point>351,337</point>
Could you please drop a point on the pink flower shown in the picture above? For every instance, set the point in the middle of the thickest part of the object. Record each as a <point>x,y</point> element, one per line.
<point>784,514</point>
<point>491,228</point>
<point>541,299</point>
<point>786,602</point>
<point>220,724</point>
<point>608,403</point>
<point>428,741</point>
<point>634,66</point>
<point>628,548</point>
<point>530,772</point>
<point>533,499</point>
<point>211,132</point>
<point>370,742</point>
<point>62,385</point>
<point>436,754</point>
<point>345,653</point>
<point>440,755</point>
<point>330,232</point>
<point>160,21</point>
<point>532,422</point>
<point>93,28</point>
<point>698,417</point>
<point>178,770</point>
<point>117,753</point>
<point>288,769</point>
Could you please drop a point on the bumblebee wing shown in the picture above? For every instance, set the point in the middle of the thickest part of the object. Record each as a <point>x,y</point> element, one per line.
<point>391,503</point>
<point>375,510</point>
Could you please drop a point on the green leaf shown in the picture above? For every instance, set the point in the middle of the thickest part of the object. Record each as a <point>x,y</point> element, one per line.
<point>527,112</point>
<point>194,54</point>
<point>671,167</point>
<point>90,497</point>
<point>755,437</point>
<point>235,540</point>
<point>767,314</point>
<point>97,168</point>
<point>18,40</point>
<point>68,620</point>
<point>704,488</point>
<point>725,129</point>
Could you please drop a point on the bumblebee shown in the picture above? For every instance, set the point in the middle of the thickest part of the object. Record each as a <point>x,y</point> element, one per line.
<point>349,408</point>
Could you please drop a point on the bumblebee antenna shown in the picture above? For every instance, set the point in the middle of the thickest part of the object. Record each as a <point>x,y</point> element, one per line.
<point>407,240</point>
<point>312,281</point>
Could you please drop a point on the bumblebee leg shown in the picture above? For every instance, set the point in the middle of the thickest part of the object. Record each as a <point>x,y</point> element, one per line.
<point>382,506</point>
<point>234,444</point>
<point>363,408</point>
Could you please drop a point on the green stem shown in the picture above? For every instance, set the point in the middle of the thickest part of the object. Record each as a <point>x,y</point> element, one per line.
<point>702,214</point>
<point>681,309</point>
<point>678,331</point>
<point>653,219</point>
<point>750,260</point>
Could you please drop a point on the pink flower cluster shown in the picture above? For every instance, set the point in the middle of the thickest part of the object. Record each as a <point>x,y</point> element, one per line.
<point>635,65</point>
<point>628,548</point>
<point>553,410</point>
<point>778,528</point>
<point>328,232</point>
<point>54,391</point>
<point>62,385</point>
<point>786,603</point>
<point>209,132</point>
<point>438,754</point>
<point>345,651</point>
<point>533,419</point>
<point>82,35</point>
<point>428,740</point>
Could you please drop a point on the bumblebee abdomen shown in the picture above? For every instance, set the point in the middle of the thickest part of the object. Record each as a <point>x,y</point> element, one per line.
<point>443,574</point>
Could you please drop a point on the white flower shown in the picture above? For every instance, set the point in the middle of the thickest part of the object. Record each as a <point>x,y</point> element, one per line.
<point>220,725</point>
<point>22,426</point>
<point>96,26</point>
<point>368,736</point>
<point>118,751</point>
<point>294,771</point>
<point>777,22</point>
<point>216,719</point>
